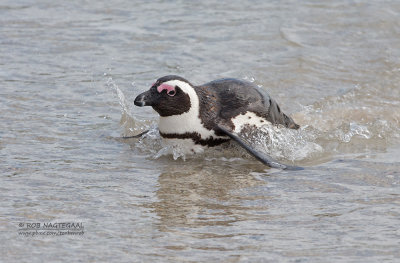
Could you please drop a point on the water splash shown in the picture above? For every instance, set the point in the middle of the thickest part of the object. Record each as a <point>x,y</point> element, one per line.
<point>333,126</point>
<point>130,125</point>
<point>121,97</point>
<point>346,133</point>
<point>282,143</point>
<point>357,121</point>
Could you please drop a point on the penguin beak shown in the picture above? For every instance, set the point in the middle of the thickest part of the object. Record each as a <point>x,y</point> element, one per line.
<point>145,99</point>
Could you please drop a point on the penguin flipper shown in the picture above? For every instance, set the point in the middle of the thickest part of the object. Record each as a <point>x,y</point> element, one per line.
<point>265,159</point>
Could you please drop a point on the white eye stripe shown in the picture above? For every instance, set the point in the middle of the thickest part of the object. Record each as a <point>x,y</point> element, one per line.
<point>188,121</point>
<point>185,87</point>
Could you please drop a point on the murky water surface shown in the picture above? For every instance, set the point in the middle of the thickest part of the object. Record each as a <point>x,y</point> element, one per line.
<point>69,71</point>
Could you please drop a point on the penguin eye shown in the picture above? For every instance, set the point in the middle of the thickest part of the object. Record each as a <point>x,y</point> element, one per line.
<point>171,93</point>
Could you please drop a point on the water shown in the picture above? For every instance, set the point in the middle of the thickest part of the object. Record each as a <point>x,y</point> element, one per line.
<point>69,71</point>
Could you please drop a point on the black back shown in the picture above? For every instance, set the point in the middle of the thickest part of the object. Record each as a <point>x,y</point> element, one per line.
<point>223,99</point>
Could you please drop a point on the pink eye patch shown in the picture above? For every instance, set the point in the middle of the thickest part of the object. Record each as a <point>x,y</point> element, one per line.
<point>170,89</point>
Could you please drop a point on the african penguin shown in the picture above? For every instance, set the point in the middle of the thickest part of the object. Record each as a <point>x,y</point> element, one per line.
<point>212,113</point>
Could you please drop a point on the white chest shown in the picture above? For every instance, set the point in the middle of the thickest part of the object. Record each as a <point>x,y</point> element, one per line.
<point>183,124</point>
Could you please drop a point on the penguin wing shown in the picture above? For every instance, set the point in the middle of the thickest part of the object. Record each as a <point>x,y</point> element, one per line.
<point>237,97</point>
<point>265,159</point>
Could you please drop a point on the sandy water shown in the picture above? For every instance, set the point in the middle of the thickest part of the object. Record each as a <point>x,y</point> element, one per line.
<point>69,72</point>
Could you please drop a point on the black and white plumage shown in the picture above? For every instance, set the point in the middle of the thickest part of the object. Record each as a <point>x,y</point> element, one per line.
<point>212,113</point>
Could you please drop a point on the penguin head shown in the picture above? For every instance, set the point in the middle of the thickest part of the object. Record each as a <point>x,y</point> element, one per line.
<point>169,95</point>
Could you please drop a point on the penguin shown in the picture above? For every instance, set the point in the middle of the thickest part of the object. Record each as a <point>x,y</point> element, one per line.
<point>213,113</point>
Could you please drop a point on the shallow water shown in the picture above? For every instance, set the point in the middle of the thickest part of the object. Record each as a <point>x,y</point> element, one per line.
<point>69,72</point>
